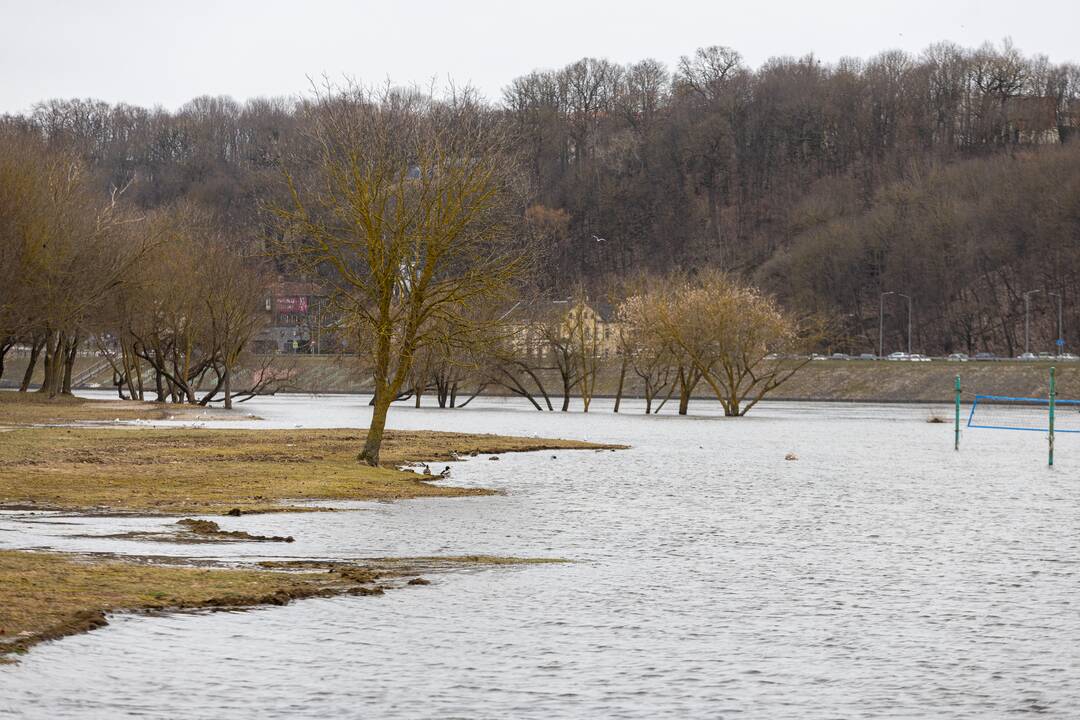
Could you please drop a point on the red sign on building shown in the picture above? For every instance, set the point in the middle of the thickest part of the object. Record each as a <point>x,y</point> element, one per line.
<point>296,305</point>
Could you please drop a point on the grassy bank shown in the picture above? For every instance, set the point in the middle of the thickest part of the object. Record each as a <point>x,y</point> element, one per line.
<point>196,471</point>
<point>45,596</point>
<point>25,409</point>
<point>886,381</point>
<point>930,382</point>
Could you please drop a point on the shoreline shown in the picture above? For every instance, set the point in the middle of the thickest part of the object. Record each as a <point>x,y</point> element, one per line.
<point>128,467</point>
<point>199,471</point>
<point>847,381</point>
<point>134,470</point>
<point>132,585</point>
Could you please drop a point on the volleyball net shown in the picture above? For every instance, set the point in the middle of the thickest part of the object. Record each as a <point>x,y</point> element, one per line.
<point>998,412</point>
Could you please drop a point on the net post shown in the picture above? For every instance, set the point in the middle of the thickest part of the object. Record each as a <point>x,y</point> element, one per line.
<point>956,424</point>
<point>1053,396</point>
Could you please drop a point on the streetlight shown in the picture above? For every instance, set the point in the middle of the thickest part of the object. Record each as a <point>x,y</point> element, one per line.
<point>1027,320</point>
<point>1060,342</point>
<point>908,298</point>
<point>881,322</point>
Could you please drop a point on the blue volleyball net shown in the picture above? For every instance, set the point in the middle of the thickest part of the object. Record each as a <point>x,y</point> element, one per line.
<point>997,412</point>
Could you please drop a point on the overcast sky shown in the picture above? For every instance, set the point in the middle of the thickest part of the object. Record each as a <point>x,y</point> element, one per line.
<point>153,52</point>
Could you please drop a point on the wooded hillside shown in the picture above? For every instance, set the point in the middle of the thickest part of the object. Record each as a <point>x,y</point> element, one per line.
<point>951,176</point>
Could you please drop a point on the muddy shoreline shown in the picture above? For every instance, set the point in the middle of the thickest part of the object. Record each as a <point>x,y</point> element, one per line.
<point>218,472</point>
<point>140,471</point>
<point>285,582</point>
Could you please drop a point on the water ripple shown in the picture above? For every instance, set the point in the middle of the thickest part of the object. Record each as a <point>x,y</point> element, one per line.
<point>881,575</point>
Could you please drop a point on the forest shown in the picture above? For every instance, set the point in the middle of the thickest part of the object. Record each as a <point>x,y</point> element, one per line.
<point>951,176</point>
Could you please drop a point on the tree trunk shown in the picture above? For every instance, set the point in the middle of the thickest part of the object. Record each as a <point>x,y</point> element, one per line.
<point>479,390</point>
<point>684,393</point>
<point>138,378</point>
<point>47,362</point>
<point>227,387</point>
<point>54,355</point>
<point>622,377</point>
<point>671,390</point>
<point>35,350</point>
<point>539,385</point>
<point>4,347</point>
<point>373,442</point>
<point>70,353</point>
<point>127,359</point>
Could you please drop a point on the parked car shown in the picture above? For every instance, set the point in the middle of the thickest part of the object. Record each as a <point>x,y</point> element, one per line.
<point>916,357</point>
<point>841,356</point>
<point>899,356</point>
<point>985,356</point>
<point>868,356</point>
<point>1069,357</point>
<point>957,357</point>
<point>1045,356</point>
<point>1027,356</point>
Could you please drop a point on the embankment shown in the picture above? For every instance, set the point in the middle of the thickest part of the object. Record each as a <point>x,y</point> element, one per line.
<point>820,380</point>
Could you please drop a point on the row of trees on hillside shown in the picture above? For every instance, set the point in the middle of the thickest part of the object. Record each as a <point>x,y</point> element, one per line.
<point>163,295</point>
<point>709,163</point>
<point>643,167</point>
<point>965,241</point>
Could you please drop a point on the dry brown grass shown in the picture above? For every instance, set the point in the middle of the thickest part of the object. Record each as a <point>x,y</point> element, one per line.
<point>45,596</point>
<point>198,471</point>
<point>30,408</point>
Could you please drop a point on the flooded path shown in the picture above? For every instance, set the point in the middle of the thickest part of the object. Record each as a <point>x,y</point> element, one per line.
<point>880,574</point>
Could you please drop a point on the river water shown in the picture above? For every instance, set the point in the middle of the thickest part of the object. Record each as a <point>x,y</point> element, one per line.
<point>880,574</point>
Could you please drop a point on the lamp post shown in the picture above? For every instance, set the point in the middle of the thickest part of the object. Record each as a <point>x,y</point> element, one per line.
<point>881,321</point>
<point>881,324</point>
<point>1060,342</point>
<point>908,298</point>
<point>1027,320</point>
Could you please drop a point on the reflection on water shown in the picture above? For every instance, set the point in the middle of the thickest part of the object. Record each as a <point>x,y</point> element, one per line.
<point>880,574</point>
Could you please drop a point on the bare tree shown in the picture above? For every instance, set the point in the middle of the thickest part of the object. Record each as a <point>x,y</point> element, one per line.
<point>735,337</point>
<point>54,230</point>
<point>407,208</point>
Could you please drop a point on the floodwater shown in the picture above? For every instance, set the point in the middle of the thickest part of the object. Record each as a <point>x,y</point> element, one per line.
<point>880,574</point>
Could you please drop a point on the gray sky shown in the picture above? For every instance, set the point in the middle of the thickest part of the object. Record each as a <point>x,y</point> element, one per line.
<point>151,52</point>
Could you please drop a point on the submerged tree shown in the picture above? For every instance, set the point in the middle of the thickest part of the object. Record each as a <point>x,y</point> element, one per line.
<point>406,208</point>
<point>711,328</point>
<point>736,339</point>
